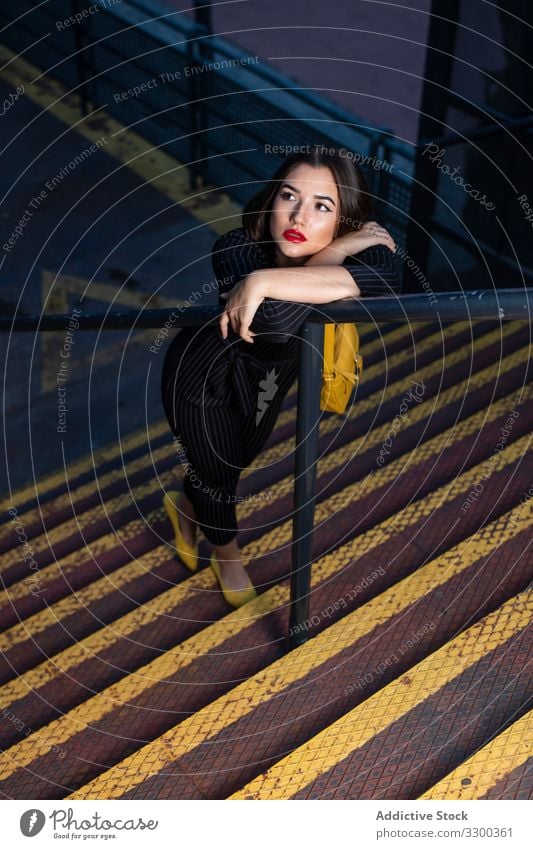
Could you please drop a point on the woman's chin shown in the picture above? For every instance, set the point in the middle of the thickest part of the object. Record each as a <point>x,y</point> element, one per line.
<point>294,251</point>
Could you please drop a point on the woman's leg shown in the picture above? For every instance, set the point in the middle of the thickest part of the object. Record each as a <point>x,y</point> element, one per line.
<point>255,433</point>
<point>188,518</point>
<point>209,446</point>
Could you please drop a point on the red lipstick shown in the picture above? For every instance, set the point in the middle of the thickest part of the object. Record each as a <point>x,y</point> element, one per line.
<point>294,236</point>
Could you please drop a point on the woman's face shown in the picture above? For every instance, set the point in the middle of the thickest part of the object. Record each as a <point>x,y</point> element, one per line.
<point>304,214</point>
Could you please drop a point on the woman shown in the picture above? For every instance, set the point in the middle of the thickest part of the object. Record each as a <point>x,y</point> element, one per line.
<point>305,239</point>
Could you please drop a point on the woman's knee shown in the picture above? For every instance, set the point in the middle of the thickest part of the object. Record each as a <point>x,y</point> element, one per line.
<point>205,490</point>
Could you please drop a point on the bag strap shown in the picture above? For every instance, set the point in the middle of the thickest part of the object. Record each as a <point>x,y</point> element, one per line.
<point>329,349</point>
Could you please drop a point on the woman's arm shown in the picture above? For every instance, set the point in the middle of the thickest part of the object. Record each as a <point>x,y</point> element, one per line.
<point>290,293</point>
<point>270,300</point>
<point>318,284</point>
<point>365,256</point>
<point>235,257</point>
<point>352,243</point>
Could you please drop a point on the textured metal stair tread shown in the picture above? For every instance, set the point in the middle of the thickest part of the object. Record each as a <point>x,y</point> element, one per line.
<point>271,541</point>
<point>474,585</point>
<point>159,669</point>
<point>166,615</point>
<point>498,766</point>
<point>207,633</point>
<point>374,405</point>
<point>56,536</point>
<point>131,532</point>
<point>297,774</point>
<point>164,755</point>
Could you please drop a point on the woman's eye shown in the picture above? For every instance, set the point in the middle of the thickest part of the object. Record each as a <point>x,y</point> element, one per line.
<point>287,195</point>
<point>323,207</point>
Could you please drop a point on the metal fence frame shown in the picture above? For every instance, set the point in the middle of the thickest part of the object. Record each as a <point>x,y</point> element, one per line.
<point>124,44</point>
<point>194,129</point>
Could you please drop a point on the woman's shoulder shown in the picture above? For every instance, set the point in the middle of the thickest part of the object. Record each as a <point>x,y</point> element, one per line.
<point>237,236</point>
<point>234,238</point>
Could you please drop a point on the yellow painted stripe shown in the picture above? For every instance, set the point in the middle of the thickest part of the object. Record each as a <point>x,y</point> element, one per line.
<point>330,461</point>
<point>352,494</point>
<point>303,766</point>
<point>278,536</point>
<point>279,675</point>
<point>162,172</point>
<point>352,731</point>
<point>489,765</point>
<point>55,298</point>
<point>106,292</point>
<point>458,558</point>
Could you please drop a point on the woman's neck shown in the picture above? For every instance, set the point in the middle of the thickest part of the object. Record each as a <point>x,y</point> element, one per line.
<point>282,261</point>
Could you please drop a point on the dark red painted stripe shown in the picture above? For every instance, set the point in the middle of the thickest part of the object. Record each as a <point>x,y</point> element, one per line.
<point>517,784</point>
<point>293,716</point>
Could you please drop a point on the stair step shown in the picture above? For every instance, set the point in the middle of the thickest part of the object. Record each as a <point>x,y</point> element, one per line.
<point>268,554</point>
<point>499,770</point>
<point>112,647</point>
<point>395,744</point>
<point>146,700</point>
<point>65,538</point>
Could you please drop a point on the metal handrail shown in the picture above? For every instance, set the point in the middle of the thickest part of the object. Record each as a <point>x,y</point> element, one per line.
<point>507,304</point>
<point>479,304</point>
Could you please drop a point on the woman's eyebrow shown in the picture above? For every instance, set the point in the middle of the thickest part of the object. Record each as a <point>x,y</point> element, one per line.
<point>320,197</point>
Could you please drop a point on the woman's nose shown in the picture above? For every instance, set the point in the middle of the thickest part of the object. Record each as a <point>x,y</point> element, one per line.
<point>298,214</point>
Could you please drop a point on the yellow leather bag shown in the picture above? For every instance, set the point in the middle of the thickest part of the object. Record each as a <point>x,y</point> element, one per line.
<point>342,367</point>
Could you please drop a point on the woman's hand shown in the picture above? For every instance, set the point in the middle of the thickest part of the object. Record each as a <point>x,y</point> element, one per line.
<point>242,304</point>
<point>370,234</point>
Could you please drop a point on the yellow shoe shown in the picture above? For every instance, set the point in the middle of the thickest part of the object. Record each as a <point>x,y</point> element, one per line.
<point>187,553</point>
<point>234,597</point>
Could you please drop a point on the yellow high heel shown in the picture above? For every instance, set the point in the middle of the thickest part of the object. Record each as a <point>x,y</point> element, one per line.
<point>187,553</point>
<point>234,597</point>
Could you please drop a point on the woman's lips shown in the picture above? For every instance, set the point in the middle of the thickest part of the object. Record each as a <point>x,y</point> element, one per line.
<point>294,236</point>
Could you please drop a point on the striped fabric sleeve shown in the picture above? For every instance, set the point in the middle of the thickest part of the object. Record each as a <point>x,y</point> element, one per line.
<point>234,256</point>
<point>375,270</point>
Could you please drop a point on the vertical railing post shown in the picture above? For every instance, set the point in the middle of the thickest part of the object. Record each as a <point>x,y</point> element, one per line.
<point>203,14</point>
<point>200,53</point>
<point>83,41</point>
<point>307,435</point>
<point>433,112</point>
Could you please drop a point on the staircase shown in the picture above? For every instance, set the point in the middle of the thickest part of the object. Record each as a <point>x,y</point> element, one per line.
<point>125,676</point>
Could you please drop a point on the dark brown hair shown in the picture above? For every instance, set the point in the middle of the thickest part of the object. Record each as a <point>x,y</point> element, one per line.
<point>354,198</point>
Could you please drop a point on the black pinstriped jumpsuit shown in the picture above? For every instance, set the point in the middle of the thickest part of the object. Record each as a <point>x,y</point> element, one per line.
<point>222,396</point>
